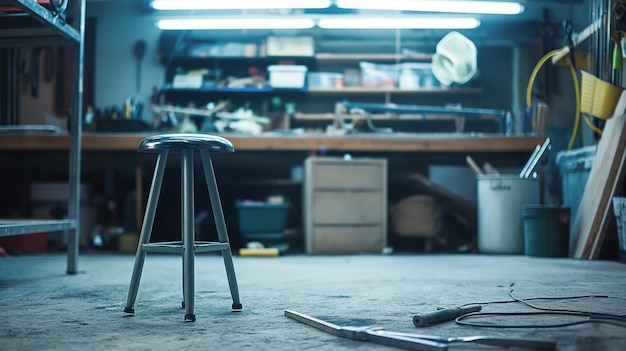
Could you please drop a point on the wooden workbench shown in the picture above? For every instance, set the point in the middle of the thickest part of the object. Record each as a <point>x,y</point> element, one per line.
<point>398,142</point>
<point>261,164</point>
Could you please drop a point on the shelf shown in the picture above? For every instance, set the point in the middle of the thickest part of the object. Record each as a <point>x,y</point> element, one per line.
<point>383,117</point>
<point>320,57</point>
<point>349,58</point>
<point>321,97</point>
<point>367,90</point>
<point>328,91</point>
<point>27,22</point>
<point>18,227</point>
<point>34,24</point>
<point>429,122</point>
<point>238,90</point>
<point>242,60</point>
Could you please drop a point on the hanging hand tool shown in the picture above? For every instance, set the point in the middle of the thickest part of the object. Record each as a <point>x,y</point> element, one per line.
<point>139,50</point>
<point>59,97</point>
<point>34,72</point>
<point>443,315</point>
<point>411,341</point>
<point>60,6</point>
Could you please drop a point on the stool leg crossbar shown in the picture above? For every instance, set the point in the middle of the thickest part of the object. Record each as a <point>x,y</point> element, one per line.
<point>188,246</point>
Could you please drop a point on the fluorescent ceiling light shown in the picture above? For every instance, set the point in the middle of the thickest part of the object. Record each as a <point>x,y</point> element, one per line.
<point>235,23</point>
<point>398,23</point>
<point>237,4</point>
<point>482,7</point>
<point>338,22</point>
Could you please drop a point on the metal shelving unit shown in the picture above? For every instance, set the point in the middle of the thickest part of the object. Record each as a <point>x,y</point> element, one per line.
<point>29,23</point>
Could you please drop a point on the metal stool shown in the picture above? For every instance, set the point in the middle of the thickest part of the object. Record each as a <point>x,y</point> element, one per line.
<point>185,144</point>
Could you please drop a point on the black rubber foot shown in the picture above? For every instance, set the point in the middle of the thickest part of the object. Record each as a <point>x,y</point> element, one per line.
<point>129,310</point>
<point>237,307</point>
<point>190,317</point>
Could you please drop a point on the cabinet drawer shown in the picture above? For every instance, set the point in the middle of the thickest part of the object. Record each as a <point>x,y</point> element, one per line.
<point>341,240</point>
<point>347,207</point>
<point>340,174</point>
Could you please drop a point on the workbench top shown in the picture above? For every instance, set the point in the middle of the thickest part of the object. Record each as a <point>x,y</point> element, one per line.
<point>396,142</point>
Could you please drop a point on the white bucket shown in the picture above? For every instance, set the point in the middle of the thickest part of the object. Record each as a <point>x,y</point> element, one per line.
<point>501,199</point>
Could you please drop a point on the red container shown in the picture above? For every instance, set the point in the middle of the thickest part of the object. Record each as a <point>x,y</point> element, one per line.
<point>25,243</point>
<point>45,3</point>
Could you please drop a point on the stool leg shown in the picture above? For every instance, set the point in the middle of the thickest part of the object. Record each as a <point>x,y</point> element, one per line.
<point>188,233</point>
<point>222,234</point>
<point>146,230</point>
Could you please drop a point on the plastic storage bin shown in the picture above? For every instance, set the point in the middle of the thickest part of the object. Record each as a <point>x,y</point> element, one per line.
<point>619,208</point>
<point>414,75</point>
<point>376,75</point>
<point>574,167</point>
<point>262,217</point>
<point>324,79</point>
<point>287,76</point>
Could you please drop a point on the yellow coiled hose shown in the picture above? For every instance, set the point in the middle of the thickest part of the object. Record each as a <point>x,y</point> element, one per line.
<point>533,76</point>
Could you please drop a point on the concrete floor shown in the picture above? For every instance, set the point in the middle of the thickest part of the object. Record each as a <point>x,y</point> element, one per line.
<point>42,308</point>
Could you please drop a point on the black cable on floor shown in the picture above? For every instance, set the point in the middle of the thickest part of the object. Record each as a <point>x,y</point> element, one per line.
<point>590,317</point>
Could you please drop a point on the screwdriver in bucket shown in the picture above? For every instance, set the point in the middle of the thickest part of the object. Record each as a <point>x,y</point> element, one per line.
<point>443,315</point>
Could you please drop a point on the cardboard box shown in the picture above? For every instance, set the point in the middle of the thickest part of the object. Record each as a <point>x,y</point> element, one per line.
<point>416,216</point>
<point>290,46</point>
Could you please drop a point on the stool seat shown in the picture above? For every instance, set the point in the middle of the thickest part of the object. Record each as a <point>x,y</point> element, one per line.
<point>185,141</point>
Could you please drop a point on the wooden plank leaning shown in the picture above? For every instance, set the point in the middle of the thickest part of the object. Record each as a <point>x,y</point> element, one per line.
<point>606,175</point>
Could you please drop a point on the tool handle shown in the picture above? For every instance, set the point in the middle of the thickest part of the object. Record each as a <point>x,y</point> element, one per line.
<point>536,344</point>
<point>522,174</point>
<point>533,163</point>
<point>473,165</point>
<point>443,315</point>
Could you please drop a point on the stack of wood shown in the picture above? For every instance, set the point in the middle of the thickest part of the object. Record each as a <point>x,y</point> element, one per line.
<point>605,179</point>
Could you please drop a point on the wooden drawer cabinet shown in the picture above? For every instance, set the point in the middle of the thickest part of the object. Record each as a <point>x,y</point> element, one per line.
<point>345,205</point>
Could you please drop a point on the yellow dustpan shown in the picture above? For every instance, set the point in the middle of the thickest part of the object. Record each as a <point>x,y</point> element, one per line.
<point>598,98</point>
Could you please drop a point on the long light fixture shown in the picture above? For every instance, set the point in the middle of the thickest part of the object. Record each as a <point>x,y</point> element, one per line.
<point>398,23</point>
<point>238,4</point>
<point>447,6</point>
<point>234,23</point>
<point>469,6</point>
<point>330,22</point>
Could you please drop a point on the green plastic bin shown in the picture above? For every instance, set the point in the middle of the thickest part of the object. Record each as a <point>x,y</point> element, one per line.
<point>262,217</point>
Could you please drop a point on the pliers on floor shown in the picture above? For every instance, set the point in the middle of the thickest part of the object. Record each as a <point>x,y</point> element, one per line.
<point>416,342</point>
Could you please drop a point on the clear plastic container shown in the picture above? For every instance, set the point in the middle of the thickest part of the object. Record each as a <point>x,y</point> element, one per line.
<point>324,79</point>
